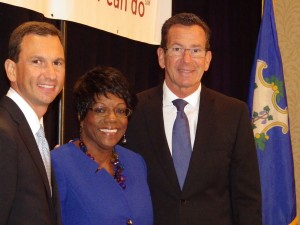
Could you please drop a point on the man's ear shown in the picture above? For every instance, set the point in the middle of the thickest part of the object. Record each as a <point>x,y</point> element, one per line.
<point>161,57</point>
<point>10,68</point>
<point>208,58</point>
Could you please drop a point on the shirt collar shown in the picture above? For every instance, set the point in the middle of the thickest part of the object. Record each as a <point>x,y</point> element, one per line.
<point>169,96</point>
<point>28,112</point>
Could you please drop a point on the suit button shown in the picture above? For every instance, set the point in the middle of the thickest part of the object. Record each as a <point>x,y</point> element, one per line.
<point>183,202</point>
<point>129,222</point>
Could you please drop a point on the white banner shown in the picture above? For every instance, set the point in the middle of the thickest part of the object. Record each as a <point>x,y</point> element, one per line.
<point>140,20</point>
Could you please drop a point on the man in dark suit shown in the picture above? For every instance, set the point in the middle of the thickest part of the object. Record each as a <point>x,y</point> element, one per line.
<point>222,183</point>
<point>36,70</point>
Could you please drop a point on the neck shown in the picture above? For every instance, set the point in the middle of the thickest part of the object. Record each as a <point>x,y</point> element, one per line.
<point>40,112</point>
<point>182,92</point>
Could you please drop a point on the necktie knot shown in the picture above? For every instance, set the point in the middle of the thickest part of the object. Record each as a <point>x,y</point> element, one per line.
<point>180,104</point>
<point>41,133</point>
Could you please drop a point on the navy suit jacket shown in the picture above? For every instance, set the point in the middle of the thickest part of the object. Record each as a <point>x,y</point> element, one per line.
<point>25,194</point>
<point>222,184</point>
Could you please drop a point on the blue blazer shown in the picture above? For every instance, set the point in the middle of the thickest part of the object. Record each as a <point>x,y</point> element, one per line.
<point>95,198</point>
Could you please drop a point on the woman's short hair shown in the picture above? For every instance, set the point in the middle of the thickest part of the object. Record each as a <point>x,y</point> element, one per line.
<point>101,81</point>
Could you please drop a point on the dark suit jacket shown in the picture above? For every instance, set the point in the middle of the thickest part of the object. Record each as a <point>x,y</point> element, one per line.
<point>222,185</point>
<point>25,197</point>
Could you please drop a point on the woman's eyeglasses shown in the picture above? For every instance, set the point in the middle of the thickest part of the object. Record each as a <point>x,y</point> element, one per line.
<point>120,112</point>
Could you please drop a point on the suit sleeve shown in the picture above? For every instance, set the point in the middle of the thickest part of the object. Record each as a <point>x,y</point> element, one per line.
<point>245,181</point>
<point>8,173</point>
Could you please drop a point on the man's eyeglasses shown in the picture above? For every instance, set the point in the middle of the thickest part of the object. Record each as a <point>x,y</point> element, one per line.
<point>179,52</point>
<point>119,112</point>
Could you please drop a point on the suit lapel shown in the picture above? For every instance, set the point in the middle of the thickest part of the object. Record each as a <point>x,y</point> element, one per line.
<point>27,137</point>
<point>203,126</point>
<point>32,147</point>
<point>155,129</point>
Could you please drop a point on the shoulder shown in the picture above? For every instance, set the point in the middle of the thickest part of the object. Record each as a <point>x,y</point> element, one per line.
<point>13,123</point>
<point>7,123</point>
<point>221,101</point>
<point>9,105</point>
<point>62,152</point>
<point>218,96</point>
<point>149,94</point>
<point>10,112</point>
<point>67,159</point>
<point>147,100</point>
<point>128,154</point>
<point>132,162</point>
<point>225,109</point>
<point>123,151</point>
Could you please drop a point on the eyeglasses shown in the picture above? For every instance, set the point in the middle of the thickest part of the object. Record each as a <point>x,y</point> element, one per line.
<point>179,51</point>
<point>119,112</point>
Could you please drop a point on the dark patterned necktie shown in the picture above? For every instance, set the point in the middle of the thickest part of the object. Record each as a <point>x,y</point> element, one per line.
<point>181,142</point>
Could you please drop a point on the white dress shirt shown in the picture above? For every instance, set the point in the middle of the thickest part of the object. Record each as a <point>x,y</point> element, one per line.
<point>170,111</point>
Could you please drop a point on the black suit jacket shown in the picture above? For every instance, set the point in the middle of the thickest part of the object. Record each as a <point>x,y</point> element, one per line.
<point>222,184</point>
<point>25,197</point>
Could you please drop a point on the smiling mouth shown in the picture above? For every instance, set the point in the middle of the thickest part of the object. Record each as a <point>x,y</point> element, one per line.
<point>186,70</point>
<point>111,131</point>
<point>46,86</point>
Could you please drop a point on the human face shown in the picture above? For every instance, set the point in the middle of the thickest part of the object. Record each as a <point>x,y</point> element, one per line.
<point>39,74</point>
<point>103,133</point>
<point>183,73</point>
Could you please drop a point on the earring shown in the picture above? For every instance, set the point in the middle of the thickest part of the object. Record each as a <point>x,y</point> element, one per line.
<point>124,140</point>
<point>80,132</point>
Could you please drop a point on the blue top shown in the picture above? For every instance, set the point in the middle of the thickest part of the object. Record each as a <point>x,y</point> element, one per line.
<point>95,198</point>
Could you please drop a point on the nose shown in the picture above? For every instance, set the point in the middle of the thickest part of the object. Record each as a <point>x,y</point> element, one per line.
<point>50,71</point>
<point>111,115</point>
<point>187,55</point>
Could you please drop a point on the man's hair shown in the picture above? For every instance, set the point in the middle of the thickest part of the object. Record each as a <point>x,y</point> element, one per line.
<point>31,27</point>
<point>186,19</point>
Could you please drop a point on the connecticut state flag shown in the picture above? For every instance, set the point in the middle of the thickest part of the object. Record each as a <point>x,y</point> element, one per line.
<point>269,112</point>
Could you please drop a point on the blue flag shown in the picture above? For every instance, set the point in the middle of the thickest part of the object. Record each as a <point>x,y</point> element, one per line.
<point>268,106</point>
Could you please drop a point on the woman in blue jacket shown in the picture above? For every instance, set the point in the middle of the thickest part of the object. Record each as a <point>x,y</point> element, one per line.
<point>99,181</point>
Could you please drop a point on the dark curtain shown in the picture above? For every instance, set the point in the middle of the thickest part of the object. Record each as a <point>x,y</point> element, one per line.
<point>234,25</point>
